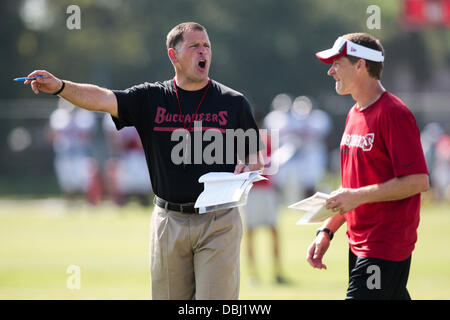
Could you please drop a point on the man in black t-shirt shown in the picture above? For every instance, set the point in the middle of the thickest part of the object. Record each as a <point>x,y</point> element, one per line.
<point>192,255</point>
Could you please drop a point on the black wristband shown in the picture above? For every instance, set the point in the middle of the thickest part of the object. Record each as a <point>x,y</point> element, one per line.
<point>60,90</point>
<point>326,230</point>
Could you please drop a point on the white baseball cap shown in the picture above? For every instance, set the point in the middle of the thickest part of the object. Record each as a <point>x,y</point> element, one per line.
<point>344,47</point>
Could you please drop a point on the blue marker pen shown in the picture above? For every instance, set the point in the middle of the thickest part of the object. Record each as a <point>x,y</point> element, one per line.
<point>25,78</point>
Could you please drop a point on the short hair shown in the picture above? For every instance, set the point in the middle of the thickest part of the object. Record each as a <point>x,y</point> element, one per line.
<point>373,68</point>
<point>175,36</point>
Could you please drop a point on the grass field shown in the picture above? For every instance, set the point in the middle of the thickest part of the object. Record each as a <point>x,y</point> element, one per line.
<point>40,239</point>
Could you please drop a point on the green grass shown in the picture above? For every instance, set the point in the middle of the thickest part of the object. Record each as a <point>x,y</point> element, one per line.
<point>40,239</point>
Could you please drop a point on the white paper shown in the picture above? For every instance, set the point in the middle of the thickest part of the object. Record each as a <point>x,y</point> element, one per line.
<point>224,190</point>
<point>314,208</point>
<point>242,202</point>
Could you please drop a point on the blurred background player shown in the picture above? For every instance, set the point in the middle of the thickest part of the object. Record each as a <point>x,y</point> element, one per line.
<point>126,171</point>
<point>311,126</point>
<point>278,119</point>
<point>262,210</point>
<point>436,147</point>
<point>441,168</point>
<point>303,131</point>
<point>71,133</point>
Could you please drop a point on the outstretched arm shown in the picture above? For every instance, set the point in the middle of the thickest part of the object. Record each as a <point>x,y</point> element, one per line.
<point>86,96</point>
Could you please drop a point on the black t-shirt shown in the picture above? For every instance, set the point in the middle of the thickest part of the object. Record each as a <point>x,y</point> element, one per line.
<point>154,110</point>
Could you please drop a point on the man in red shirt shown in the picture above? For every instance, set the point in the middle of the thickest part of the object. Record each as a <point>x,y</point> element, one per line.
<point>383,172</point>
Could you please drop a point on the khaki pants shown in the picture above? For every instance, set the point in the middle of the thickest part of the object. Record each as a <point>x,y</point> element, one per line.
<point>195,256</point>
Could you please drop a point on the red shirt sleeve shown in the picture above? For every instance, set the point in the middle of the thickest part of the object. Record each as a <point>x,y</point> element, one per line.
<point>402,137</point>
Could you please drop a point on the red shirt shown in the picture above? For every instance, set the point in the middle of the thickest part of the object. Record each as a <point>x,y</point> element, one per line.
<point>380,143</point>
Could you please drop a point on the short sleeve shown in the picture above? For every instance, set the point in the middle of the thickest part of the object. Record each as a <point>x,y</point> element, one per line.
<point>402,138</point>
<point>131,105</point>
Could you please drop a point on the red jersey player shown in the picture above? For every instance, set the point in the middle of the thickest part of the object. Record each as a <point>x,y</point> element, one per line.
<point>383,172</point>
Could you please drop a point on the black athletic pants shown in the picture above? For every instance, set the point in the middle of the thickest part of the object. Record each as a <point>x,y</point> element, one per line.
<point>377,279</point>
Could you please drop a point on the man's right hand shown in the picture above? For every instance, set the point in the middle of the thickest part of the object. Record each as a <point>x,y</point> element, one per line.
<point>48,84</point>
<point>317,250</point>
<point>86,96</point>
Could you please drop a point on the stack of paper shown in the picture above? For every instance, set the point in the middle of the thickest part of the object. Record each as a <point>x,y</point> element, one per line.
<point>314,207</point>
<point>223,190</point>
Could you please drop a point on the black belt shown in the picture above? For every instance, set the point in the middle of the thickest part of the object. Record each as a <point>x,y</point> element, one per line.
<point>179,207</point>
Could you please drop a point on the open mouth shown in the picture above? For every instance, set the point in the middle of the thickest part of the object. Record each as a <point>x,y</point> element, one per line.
<point>202,63</point>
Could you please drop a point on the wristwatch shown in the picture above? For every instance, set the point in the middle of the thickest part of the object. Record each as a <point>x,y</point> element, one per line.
<point>330,233</point>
